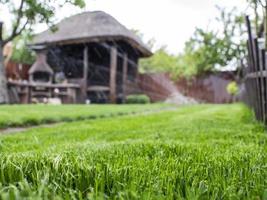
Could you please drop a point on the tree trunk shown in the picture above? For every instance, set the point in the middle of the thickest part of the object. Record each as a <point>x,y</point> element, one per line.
<point>265,17</point>
<point>113,71</point>
<point>256,17</point>
<point>3,82</point>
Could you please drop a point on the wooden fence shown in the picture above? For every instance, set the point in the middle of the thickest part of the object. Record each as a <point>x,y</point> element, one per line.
<point>256,75</point>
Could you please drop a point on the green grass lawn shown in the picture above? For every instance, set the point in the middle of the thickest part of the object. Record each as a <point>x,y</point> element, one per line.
<point>197,152</point>
<point>27,115</point>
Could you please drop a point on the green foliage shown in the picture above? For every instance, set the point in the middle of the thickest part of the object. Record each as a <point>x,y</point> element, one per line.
<point>27,13</point>
<point>21,52</point>
<point>164,62</point>
<point>206,51</point>
<point>198,152</point>
<point>161,61</point>
<point>137,99</point>
<point>210,50</point>
<point>201,52</point>
<point>232,88</point>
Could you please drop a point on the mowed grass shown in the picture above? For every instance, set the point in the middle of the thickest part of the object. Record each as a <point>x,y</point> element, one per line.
<point>197,152</point>
<point>28,115</point>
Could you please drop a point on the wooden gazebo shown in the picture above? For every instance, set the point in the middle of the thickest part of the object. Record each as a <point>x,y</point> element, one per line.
<point>94,51</point>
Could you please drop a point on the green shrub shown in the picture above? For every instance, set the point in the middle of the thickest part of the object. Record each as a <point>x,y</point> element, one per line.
<point>232,88</point>
<point>137,99</point>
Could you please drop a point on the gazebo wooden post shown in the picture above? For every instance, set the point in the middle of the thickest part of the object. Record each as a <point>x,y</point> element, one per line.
<point>85,72</point>
<point>124,75</point>
<point>113,71</point>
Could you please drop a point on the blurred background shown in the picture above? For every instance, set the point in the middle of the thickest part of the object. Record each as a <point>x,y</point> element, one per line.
<point>195,50</point>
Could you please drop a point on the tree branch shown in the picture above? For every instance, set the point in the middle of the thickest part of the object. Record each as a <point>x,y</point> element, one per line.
<point>14,32</point>
<point>19,16</point>
<point>262,3</point>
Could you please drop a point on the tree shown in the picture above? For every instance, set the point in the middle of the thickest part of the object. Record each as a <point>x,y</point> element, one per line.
<point>161,61</point>
<point>255,5</point>
<point>21,52</point>
<point>3,85</point>
<point>27,13</point>
<point>211,50</point>
<point>207,50</point>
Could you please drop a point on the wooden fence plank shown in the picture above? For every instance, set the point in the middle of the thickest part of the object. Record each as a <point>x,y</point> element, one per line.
<point>263,63</point>
<point>258,79</point>
<point>256,76</point>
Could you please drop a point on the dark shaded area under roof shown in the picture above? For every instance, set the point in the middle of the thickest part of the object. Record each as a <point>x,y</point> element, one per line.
<point>94,26</point>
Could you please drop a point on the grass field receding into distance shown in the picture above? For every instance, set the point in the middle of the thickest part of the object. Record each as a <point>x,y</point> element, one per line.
<point>28,115</point>
<point>197,152</point>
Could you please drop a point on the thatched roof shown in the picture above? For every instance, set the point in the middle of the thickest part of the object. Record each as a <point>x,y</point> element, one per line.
<point>91,26</point>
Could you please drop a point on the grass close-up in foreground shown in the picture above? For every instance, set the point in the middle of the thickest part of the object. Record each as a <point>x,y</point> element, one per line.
<point>197,152</point>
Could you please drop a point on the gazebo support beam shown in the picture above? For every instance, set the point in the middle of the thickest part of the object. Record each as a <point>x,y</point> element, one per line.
<point>124,75</point>
<point>85,71</point>
<point>107,46</point>
<point>113,72</point>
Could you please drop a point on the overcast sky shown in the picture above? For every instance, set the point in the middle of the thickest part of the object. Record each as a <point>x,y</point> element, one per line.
<point>170,22</point>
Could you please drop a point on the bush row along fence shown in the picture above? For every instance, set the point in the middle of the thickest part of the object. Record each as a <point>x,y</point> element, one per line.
<point>256,76</point>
